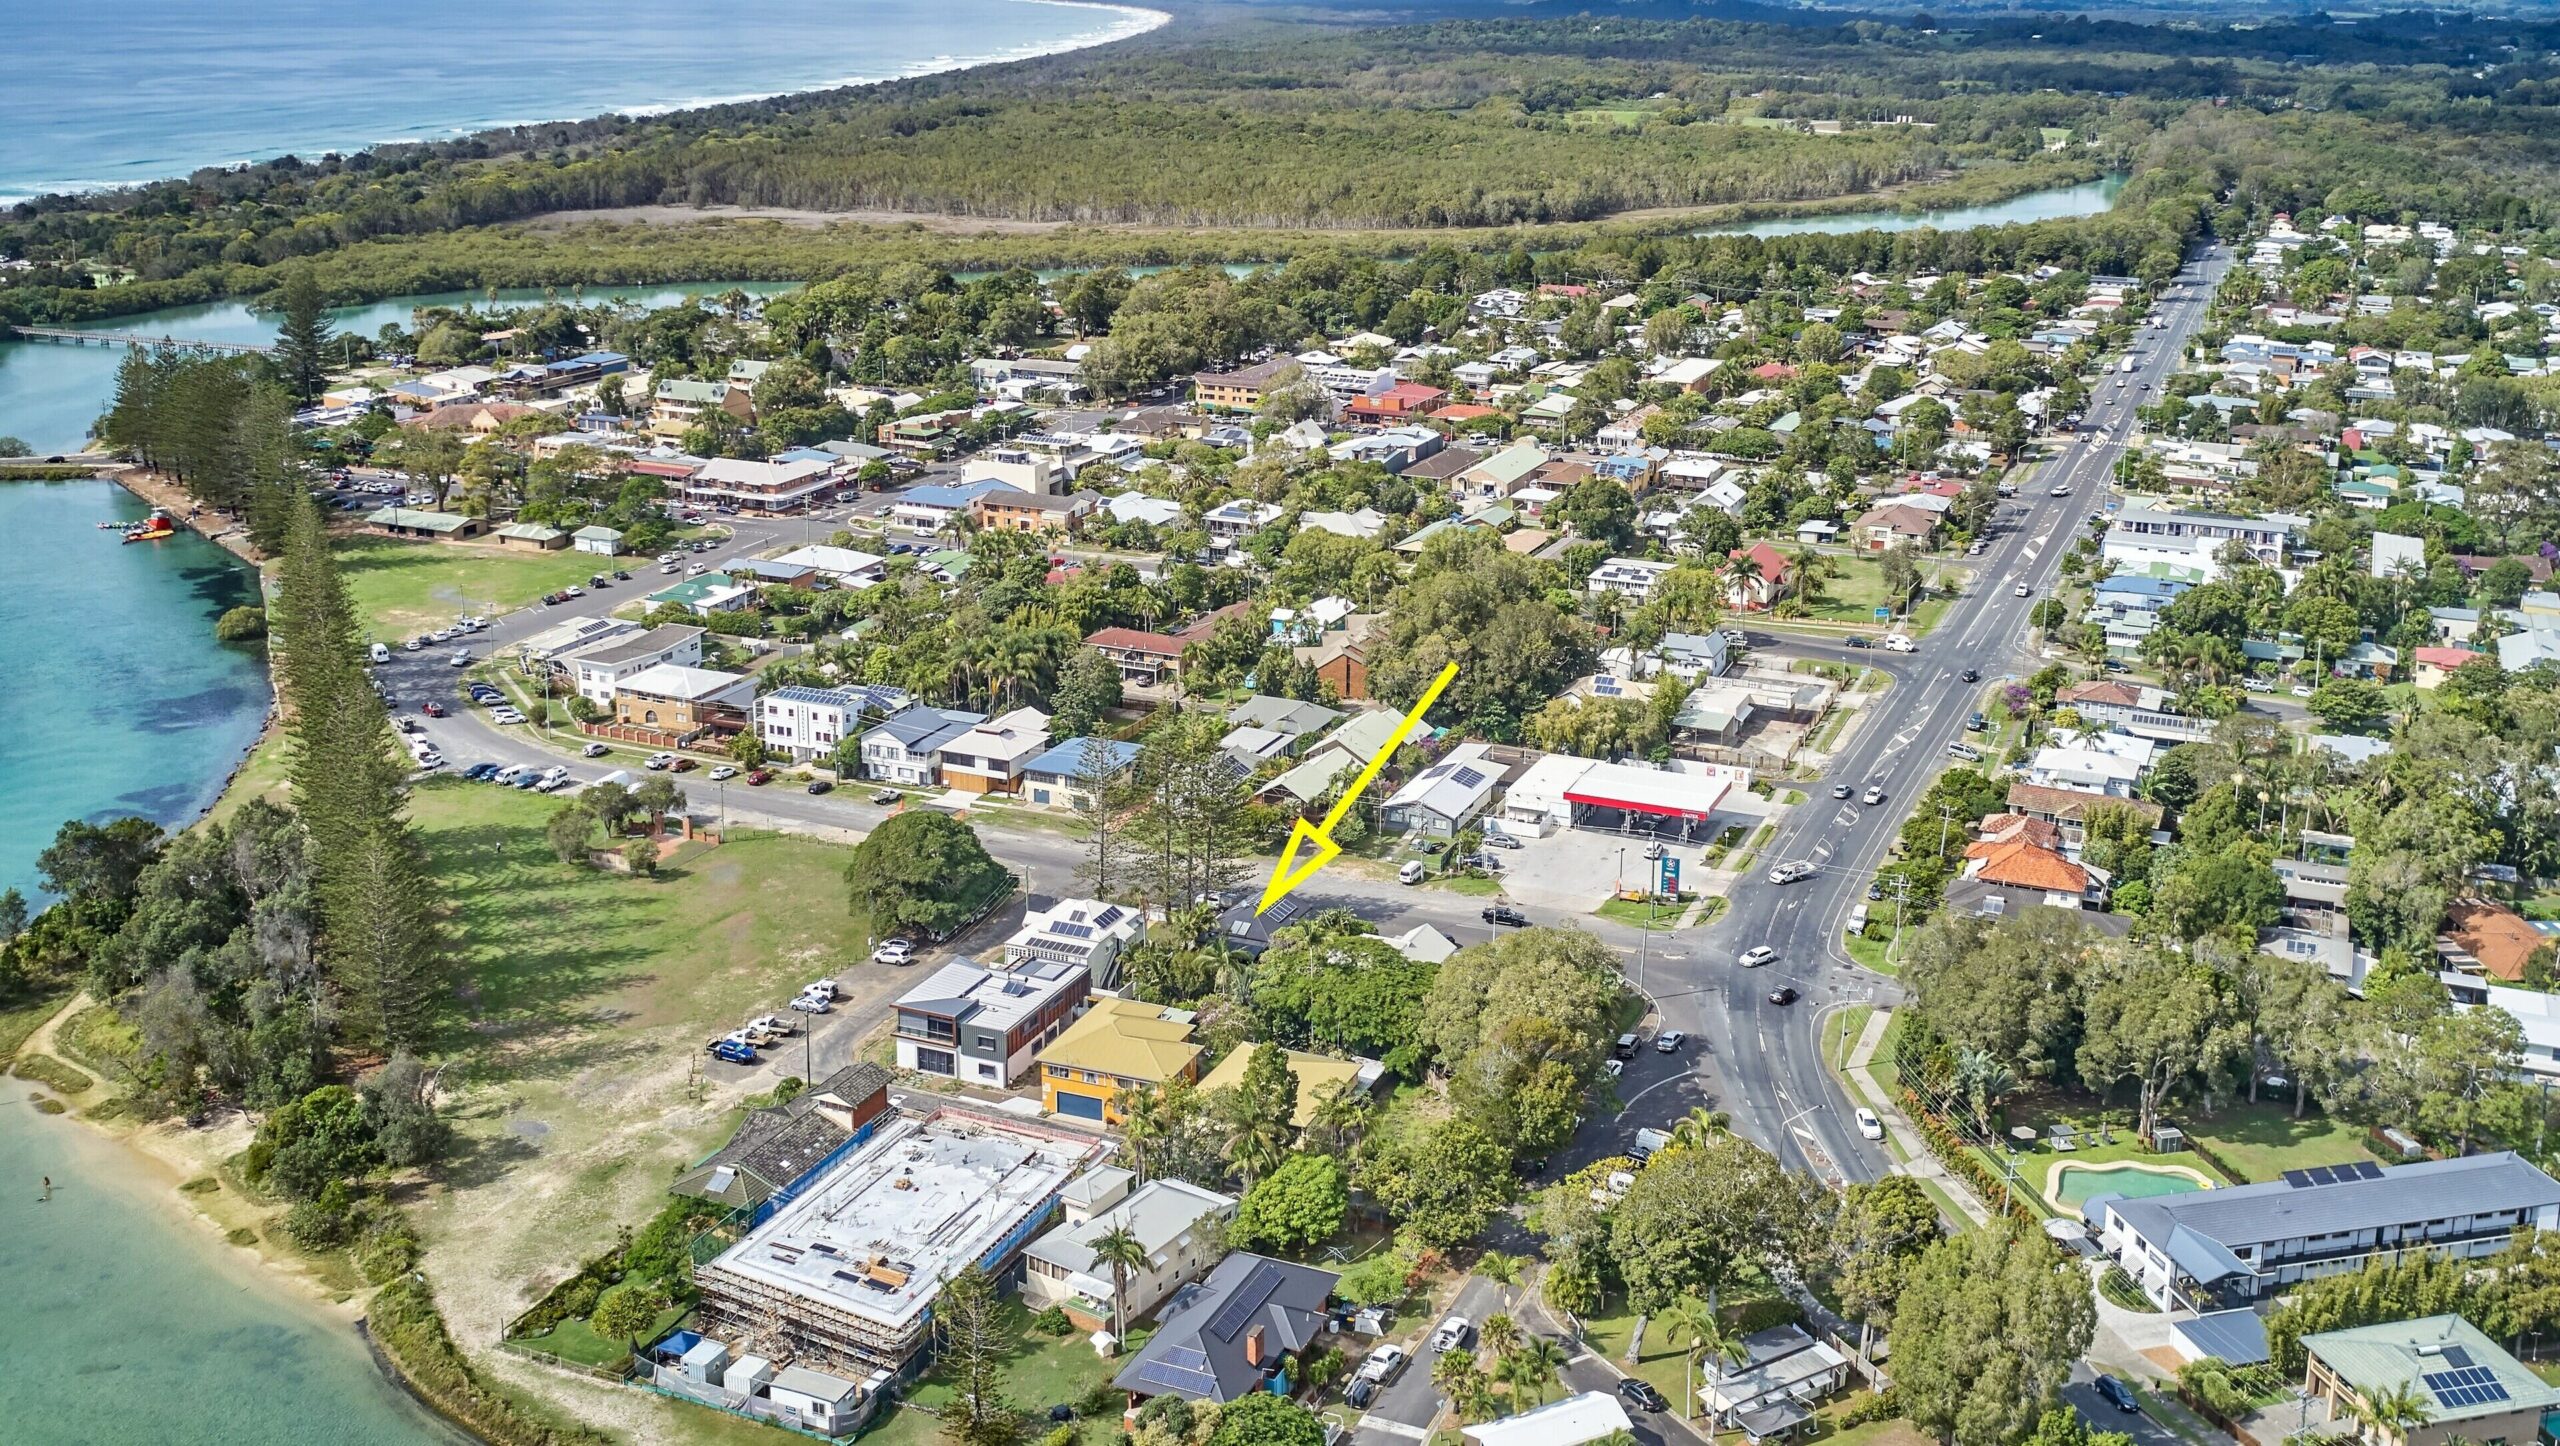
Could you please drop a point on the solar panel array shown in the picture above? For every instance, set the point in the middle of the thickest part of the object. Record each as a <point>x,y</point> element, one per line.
<point>1249,1297</point>
<point>1183,1368</point>
<point>2469,1386</point>
<point>1467,777</point>
<point>2332,1174</point>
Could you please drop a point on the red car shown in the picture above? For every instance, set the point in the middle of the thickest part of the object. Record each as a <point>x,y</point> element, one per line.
<point>432,710</point>
<point>760,776</point>
<point>684,765</point>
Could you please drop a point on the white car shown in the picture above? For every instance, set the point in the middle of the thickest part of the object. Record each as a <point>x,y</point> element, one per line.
<point>2022,590</point>
<point>2256,685</point>
<point>1613,1067</point>
<point>1873,796</point>
<point>506,717</point>
<point>721,772</point>
<point>1795,871</point>
<point>894,951</point>
<point>822,988</point>
<point>812,1004</point>
<point>1899,643</point>
<point>1757,955</point>
<point>1453,1333</point>
<point>595,750</point>
<point>775,1023</point>
<point>1868,1125</point>
<point>2302,690</point>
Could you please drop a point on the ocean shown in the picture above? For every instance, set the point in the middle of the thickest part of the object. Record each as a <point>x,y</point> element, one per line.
<point>122,91</point>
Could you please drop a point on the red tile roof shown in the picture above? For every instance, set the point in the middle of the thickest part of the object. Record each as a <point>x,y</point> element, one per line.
<point>2498,937</point>
<point>1133,640</point>
<point>1772,563</point>
<point>2018,864</point>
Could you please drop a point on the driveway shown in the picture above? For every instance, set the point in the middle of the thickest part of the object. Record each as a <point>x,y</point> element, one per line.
<point>1403,1412</point>
<point>2083,1395</point>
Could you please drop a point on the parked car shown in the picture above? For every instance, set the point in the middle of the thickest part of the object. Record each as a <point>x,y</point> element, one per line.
<point>683,765</point>
<point>812,1004</point>
<point>1626,1047</point>
<point>1641,1395</point>
<point>1613,1068</point>
<point>894,951</point>
<point>2256,685</point>
<point>1977,724</point>
<point>657,762</point>
<point>1506,916</point>
<point>1869,1127</point>
<point>887,797</point>
<point>1500,840</point>
<point>1411,871</point>
<point>760,776</point>
<point>1383,1365</point>
<point>823,988</point>
<point>820,785</point>
<point>2118,1394</point>
<point>782,1025</point>
<point>595,750</point>
<point>1669,1041</point>
<point>734,1051</point>
<point>724,771</point>
<point>1757,955</point>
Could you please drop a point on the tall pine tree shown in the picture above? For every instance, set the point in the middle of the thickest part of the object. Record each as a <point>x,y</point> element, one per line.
<point>302,344</point>
<point>380,947</point>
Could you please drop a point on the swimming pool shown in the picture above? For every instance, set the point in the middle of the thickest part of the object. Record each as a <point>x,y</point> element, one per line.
<point>2070,1185</point>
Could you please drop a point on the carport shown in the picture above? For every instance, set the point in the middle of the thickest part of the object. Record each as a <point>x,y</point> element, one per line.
<point>1623,798</point>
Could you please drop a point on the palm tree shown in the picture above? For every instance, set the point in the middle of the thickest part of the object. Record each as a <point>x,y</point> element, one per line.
<point>1123,1251</point>
<point>1811,569</point>
<point>1535,1366</point>
<point>1141,1124</point>
<point>2391,1415</point>
<point>1501,1335</point>
<point>1699,1126</point>
<point>1697,1325</point>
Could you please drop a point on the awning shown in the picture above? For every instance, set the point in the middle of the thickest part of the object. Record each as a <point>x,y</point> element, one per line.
<point>1654,791</point>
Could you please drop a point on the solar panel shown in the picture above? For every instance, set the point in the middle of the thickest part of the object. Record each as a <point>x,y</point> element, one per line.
<point>2468,1386</point>
<point>2367,1170</point>
<point>1073,931</point>
<point>1249,1297</point>
<point>2297,1178</point>
<point>2456,1356</point>
<point>1175,1378</point>
<point>1467,777</point>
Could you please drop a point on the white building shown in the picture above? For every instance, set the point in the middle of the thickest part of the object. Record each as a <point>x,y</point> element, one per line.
<point>1442,799</point>
<point>905,749</point>
<point>1088,933</point>
<point>598,669</point>
<point>843,566</point>
<point>1629,577</point>
<point>1168,1217</point>
<point>990,757</point>
<point>758,486</point>
<point>1573,1421</point>
<point>803,724</point>
<point>986,1026</point>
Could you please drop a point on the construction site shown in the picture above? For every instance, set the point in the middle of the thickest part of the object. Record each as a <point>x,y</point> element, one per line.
<point>846,1274</point>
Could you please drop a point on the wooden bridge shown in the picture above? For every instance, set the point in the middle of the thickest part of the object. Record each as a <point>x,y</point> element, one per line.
<point>71,336</point>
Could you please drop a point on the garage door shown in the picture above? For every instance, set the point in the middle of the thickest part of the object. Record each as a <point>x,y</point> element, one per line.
<point>1083,1107</point>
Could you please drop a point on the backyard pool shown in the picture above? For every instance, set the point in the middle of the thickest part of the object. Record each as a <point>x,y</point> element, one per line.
<point>2071,1185</point>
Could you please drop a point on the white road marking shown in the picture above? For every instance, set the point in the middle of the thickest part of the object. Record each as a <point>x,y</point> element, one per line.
<point>1393,1428</point>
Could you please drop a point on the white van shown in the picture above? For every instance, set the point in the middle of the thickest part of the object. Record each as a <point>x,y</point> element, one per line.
<point>1857,921</point>
<point>1413,872</point>
<point>380,653</point>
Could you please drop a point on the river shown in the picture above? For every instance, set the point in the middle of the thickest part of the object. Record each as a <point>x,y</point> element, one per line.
<point>50,394</point>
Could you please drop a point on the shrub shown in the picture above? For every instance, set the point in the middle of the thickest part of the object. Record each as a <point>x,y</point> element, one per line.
<point>626,1310</point>
<point>313,1226</point>
<point>241,625</point>
<point>1063,1436</point>
<point>386,1246</point>
<point>1053,1320</point>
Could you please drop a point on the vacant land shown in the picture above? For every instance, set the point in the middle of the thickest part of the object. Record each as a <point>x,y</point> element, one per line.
<point>405,588</point>
<point>2263,1140</point>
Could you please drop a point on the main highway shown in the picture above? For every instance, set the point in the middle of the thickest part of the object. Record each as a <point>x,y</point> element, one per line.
<point>1758,1061</point>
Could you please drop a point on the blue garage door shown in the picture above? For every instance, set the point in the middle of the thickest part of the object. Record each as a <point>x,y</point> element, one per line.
<point>1083,1107</point>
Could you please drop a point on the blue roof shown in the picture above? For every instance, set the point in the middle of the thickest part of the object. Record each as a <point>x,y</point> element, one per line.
<point>948,496</point>
<point>592,359</point>
<point>2142,586</point>
<point>2235,1337</point>
<point>1067,760</point>
<point>807,454</point>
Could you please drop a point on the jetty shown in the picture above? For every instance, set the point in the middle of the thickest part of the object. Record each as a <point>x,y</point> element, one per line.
<point>74,336</point>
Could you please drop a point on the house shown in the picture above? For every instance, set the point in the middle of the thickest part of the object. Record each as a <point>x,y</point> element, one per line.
<point>2071,807</point>
<point>2026,855</point>
<point>599,668</point>
<point>1066,775</point>
<point>843,566</point>
<point>1402,401</point>
<point>1087,933</point>
<point>678,404</point>
<point>1145,658</point>
<point>2434,665</point>
<point>925,511</point>
<point>1290,717</point>
<point>759,487</point>
<point>2485,938</point>
<point>989,758</point>
<point>1007,510</point>
<point>1760,587</point>
<point>1367,524</point>
<point>848,1271</point>
<point>1769,1392</point>
<point>602,541</point>
<point>777,1148</point>
<point>1632,578</point>
<point>1879,528</point>
<point>1232,522</point>
<point>2094,763</point>
<point>1498,476</point>
<point>1442,799</point>
<point>1694,655</point>
<point>1573,1421</point>
<point>986,1026</point>
<point>906,748</point>
<point>807,724</point>
<point>552,646</point>
<point>1424,944</point>
<point>1240,390</point>
<point>1117,1045</point>
<point>530,537</point>
<point>2468,1386</point>
<point>1174,1221</point>
<point>1345,752</point>
<point>671,706</point>
<point>1234,1333</point>
<point>473,419</point>
<point>1319,1078</point>
<point>2211,1249</point>
<point>413,522</point>
<point>712,592</point>
<point>1341,658</point>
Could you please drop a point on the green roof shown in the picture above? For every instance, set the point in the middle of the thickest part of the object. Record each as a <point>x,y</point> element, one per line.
<point>422,521</point>
<point>2443,1359</point>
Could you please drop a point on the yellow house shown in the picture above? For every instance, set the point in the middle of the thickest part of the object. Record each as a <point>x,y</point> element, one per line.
<point>1118,1044</point>
<point>1318,1077</point>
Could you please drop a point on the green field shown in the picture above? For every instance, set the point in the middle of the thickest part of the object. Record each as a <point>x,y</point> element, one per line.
<point>1040,1371</point>
<point>404,588</point>
<point>563,961</point>
<point>2263,1140</point>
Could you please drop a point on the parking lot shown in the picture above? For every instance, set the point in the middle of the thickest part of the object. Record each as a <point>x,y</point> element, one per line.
<point>1575,870</point>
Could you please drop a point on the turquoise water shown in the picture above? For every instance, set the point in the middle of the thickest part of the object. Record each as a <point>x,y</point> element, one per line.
<point>125,1322</point>
<point>2086,199</point>
<point>2078,1186</point>
<point>119,700</point>
<point>120,91</point>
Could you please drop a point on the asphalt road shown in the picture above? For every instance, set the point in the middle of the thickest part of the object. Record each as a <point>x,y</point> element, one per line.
<point>1756,1060</point>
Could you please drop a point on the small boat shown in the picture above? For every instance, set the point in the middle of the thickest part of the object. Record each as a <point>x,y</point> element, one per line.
<point>151,529</point>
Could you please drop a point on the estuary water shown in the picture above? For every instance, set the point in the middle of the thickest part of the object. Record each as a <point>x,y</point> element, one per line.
<point>120,701</point>
<point>127,1323</point>
<point>120,91</point>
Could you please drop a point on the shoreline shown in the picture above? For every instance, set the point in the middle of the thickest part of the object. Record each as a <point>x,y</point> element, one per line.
<point>1125,22</point>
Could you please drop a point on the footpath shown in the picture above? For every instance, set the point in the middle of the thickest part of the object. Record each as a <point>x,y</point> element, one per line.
<point>1918,1162</point>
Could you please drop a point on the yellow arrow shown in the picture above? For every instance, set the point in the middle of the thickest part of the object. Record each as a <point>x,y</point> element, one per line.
<point>1290,873</point>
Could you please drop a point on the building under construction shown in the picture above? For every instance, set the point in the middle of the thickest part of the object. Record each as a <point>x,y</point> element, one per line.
<point>847,1273</point>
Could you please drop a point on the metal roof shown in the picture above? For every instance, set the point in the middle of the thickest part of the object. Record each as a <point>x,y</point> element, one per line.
<point>2247,1215</point>
<point>2235,1337</point>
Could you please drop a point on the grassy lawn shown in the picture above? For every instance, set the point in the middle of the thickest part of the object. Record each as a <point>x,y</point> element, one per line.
<point>1469,884</point>
<point>1840,1031</point>
<point>1752,1306</point>
<point>2263,1140</point>
<point>1646,913</point>
<point>564,964</point>
<point>405,588</point>
<point>1850,594</point>
<point>574,1340</point>
<point>2042,1111</point>
<point>1873,953</point>
<point>262,776</point>
<point>1041,1371</point>
<point>23,1015</point>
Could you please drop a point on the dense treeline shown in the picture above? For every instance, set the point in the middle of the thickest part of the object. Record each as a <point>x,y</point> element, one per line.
<point>220,426</point>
